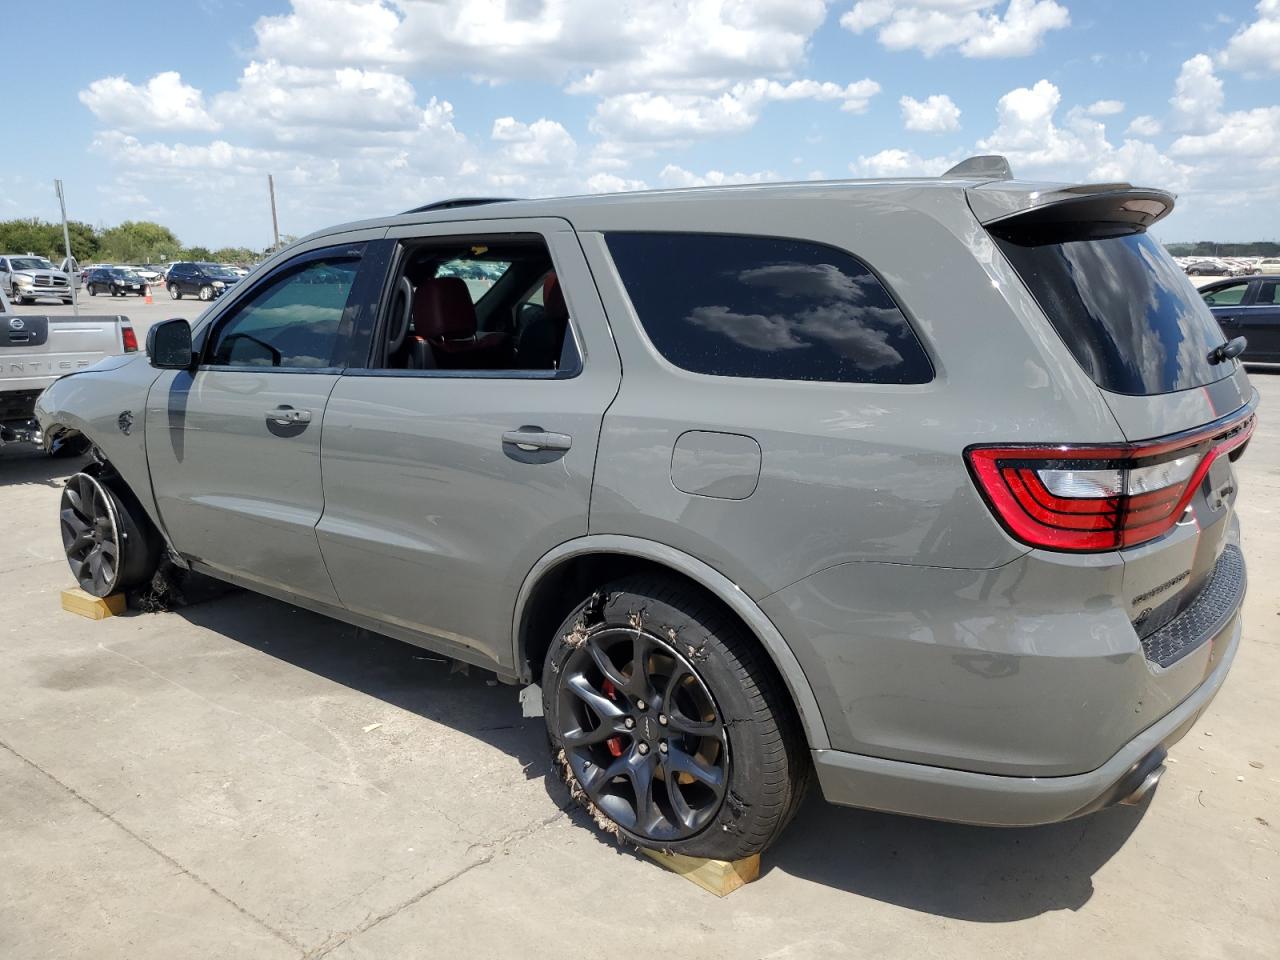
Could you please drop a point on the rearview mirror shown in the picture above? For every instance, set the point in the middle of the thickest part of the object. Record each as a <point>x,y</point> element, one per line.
<point>169,345</point>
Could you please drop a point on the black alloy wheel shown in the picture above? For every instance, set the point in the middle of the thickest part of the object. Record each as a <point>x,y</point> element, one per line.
<point>91,534</point>
<point>668,723</point>
<point>642,733</point>
<point>109,543</point>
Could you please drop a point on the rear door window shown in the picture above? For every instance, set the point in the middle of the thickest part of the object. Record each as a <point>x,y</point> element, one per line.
<point>1125,310</point>
<point>766,308</point>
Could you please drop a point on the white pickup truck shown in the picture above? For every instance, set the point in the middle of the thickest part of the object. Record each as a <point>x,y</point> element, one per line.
<point>35,350</point>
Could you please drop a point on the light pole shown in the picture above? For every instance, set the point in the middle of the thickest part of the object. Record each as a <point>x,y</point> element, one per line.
<point>66,239</point>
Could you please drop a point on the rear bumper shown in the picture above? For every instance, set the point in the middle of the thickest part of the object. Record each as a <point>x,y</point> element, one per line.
<point>939,793</point>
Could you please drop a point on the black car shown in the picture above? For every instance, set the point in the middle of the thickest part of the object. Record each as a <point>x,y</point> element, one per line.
<point>203,280</point>
<point>114,280</point>
<point>1248,307</point>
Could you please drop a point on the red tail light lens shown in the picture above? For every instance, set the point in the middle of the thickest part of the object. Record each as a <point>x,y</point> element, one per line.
<point>1082,497</point>
<point>130,340</point>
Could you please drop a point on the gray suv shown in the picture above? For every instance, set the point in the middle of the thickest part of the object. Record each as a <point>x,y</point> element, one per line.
<point>922,486</point>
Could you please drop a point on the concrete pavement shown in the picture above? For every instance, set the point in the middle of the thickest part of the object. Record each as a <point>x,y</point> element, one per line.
<point>245,779</point>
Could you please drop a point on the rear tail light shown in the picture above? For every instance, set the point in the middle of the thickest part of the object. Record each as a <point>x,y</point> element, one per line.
<point>130,340</point>
<point>1082,497</point>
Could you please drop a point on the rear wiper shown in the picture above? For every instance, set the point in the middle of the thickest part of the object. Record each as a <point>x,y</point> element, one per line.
<point>1228,351</point>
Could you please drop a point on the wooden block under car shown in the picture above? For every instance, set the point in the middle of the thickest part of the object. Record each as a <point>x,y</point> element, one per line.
<point>720,877</point>
<point>95,608</point>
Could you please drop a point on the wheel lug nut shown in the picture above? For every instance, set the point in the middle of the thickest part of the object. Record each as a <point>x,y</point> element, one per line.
<point>629,723</point>
<point>662,747</point>
<point>662,719</point>
<point>643,748</point>
<point>639,704</point>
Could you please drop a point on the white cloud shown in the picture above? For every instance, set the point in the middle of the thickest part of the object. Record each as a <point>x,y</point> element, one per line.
<point>977,28</point>
<point>678,117</point>
<point>1144,126</point>
<point>1242,133</point>
<point>542,143</point>
<point>934,114</point>
<point>1036,144</point>
<point>1197,96</point>
<point>163,103</point>
<point>901,163</point>
<point>1105,108</point>
<point>612,183</point>
<point>1256,46</point>
<point>674,176</point>
<point>289,104</point>
<point>684,44</point>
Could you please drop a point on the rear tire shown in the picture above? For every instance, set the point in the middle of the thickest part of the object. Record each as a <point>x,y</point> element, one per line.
<point>174,292</point>
<point>91,290</point>
<point>657,682</point>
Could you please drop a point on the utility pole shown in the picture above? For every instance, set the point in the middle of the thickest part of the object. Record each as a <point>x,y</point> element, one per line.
<point>275,224</point>
<point>66,240</point>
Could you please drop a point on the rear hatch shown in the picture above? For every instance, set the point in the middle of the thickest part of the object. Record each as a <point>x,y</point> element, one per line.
<point>1137,327</point>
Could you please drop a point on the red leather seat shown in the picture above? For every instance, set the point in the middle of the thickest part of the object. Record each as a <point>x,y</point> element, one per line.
<point>445,318</point>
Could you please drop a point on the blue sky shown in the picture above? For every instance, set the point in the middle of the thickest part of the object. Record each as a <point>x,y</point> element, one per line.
<point>177,112</point>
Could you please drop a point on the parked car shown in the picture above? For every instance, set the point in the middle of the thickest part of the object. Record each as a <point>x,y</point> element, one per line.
<point>1204,267</point>
<point>33,278</point>
<point>820,526</point>
<point>1269,265</point>
<point>116,281</point>
<point>204,280</point>
<point>149,274</point>
<point>31,358</point>
<point>1248,308</point>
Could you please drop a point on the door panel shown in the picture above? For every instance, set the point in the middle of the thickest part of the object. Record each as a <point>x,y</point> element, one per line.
<point>432,519</point>
<point>235,487</point>
<point>1260,323</point>
<point>234,446</point>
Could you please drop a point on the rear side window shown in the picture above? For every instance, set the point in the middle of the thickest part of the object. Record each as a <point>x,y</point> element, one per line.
<point>766,308</point>
<point>1125,309</point>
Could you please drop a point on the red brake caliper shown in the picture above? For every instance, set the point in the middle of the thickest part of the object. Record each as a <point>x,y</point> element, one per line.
<point>614,743</point>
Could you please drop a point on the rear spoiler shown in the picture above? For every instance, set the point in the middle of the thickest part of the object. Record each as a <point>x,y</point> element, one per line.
<point>1112,208</point>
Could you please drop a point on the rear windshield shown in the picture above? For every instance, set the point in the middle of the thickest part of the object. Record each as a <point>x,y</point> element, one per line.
<point>1130,316</point>
<point>766,308</point>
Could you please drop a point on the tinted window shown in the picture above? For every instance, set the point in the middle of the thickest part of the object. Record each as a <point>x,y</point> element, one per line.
<point>294,322</point>
<point>1269,293</point>
<point>1128,314</point>
<point>766,308</point>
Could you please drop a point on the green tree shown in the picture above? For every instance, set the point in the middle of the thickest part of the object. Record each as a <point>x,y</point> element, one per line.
<point>197,253</point>
<point>138,241</point>
<point>234,255</point>
<point>45,239</point>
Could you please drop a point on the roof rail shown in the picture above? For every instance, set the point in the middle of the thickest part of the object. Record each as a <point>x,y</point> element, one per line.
<point>990,166</point>
<point>454,202</point>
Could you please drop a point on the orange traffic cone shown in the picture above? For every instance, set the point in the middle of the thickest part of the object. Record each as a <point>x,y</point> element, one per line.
<point>147,288</point>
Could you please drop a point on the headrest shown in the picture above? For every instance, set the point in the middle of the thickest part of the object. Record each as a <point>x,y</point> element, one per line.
<point>442,309</point>
<point>553,298</point>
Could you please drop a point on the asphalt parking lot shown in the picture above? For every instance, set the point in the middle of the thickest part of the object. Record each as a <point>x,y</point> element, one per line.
<point>240,778</point>
<point>141,313</point>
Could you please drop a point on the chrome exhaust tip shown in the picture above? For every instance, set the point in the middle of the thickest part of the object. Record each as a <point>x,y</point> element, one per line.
<point>1144,788</point>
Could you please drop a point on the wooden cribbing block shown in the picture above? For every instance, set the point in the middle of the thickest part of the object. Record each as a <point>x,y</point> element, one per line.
<point>720,877</point>
<point>95,608</point>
